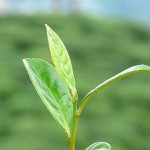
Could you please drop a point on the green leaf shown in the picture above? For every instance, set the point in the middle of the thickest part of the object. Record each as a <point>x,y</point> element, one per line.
<point>127,72</point>
<point>99,146</point>
<point>52,90</point>
<point>61,59</point>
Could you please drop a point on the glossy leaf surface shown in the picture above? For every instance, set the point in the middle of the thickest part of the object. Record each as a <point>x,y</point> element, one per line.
<point>61,59</point>
<point>99,146</point>
<point>52,90</point>
<point>127,72</point>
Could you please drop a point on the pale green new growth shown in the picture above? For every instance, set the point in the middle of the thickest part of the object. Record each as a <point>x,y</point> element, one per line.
<point>61,59</point>
<point>56,87</point>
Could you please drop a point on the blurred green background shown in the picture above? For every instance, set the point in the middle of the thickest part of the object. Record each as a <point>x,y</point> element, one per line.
<point>119,115</point>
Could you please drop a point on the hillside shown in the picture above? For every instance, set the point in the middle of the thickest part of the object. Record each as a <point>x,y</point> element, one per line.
<point>98,49</point>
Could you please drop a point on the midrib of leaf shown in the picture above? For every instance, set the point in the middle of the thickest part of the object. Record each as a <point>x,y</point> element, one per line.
<point>65,126</point>
<point>65,62</point>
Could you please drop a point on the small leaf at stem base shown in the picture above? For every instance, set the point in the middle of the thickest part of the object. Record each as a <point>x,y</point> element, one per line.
<point>99,146</point>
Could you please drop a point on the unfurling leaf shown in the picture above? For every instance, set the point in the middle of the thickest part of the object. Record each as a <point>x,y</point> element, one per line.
<point>99,146</point>
<point>61,59</point>
<point>127,72</point>
<point>52,90</point>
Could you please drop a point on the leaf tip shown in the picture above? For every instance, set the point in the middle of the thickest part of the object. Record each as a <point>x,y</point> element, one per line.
<point>24,61</point>
<point>46,26</point>
<point>48,29</point>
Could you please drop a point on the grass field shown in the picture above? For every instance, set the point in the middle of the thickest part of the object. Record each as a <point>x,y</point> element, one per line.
<point>119,115</point>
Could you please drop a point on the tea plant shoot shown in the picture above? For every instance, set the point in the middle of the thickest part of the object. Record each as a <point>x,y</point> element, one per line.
<point>55,85</point>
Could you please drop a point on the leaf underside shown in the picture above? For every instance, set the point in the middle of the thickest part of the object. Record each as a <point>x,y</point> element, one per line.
<point>61,59</point>
<point>99,146</point>
<point>127,72</point>
<point>52,90</point>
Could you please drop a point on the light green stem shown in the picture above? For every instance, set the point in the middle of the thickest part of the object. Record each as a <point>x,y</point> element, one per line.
<point>72,137</point>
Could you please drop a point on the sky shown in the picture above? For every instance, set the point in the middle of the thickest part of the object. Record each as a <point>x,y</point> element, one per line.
<point>125,9</point>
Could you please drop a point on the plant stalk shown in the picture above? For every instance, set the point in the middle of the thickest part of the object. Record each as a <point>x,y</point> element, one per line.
<point>72,137</point>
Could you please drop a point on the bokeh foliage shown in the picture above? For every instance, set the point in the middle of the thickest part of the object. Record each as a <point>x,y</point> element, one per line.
<point>99,49</point>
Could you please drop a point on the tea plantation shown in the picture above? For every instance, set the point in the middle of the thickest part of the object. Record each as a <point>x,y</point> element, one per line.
<point>119,115</point>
